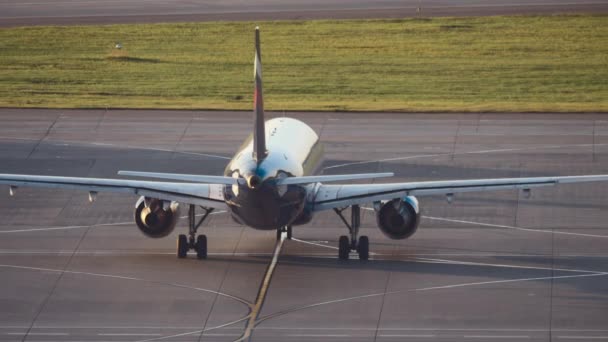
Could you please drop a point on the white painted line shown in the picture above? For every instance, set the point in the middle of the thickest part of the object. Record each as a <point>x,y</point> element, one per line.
<point>313,243</point>
<point>584,337</point>
<point>264,286</point>
<point>89,226</point>
<point>504,281</point>
<point>408,336</point>
<point>463,153</point>
<point>38,334</point>
<point>496,336</point>
<point>319,335</point>
<point>506,266</point>
<point>129,334</point>
<point>240,300</point>
<point>551,231</point>
<point>304,307</point>
<point>150,149</point>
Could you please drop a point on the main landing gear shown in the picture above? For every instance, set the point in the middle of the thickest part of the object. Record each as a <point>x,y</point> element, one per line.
<point>197,243</point>
<point>346,244</point>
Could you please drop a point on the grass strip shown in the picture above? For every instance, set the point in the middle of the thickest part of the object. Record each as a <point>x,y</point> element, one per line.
<point>502,64</point>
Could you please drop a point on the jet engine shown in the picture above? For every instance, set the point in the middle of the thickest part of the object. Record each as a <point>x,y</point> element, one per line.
<point>398,219</point>
<point>156,218</point>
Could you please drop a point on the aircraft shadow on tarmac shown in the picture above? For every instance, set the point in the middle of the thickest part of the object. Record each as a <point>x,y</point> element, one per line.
<point>486,275</point>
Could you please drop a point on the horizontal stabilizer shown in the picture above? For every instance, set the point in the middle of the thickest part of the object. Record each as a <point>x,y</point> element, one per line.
<point>331,178</point>
<point>182,177</point>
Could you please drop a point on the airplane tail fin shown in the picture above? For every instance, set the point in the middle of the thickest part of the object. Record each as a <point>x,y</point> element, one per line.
<point>259,129</point>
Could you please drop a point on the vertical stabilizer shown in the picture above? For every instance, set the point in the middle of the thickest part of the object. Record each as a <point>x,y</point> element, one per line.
<point>259,130</point>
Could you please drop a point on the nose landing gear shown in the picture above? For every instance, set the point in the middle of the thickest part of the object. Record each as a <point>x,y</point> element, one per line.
<point>193,242</point>
<point>280,231</point>
<point>355,243</point>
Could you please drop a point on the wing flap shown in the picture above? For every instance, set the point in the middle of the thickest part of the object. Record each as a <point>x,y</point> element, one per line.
<point>331,178</point>
<point>209,195</point>
<point>335,196</point>
<point>182,177</point>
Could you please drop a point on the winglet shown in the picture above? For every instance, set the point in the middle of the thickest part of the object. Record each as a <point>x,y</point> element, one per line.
<point>259,129</point>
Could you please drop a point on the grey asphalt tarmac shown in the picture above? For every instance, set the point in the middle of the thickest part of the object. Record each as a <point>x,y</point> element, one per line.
<point>492,266</point>
<point>69,12</point>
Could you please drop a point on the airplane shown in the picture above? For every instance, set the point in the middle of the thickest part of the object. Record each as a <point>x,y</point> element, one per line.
<point>271,183</point>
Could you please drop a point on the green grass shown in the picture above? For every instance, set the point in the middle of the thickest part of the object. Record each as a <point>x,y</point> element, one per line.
<point>521,63</point>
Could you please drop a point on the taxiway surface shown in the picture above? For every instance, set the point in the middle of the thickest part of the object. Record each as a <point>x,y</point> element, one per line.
<point>69,12</point>
<point>492,266</point>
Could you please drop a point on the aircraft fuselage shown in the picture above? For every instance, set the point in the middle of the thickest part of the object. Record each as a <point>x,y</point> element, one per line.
<point>293,149</point>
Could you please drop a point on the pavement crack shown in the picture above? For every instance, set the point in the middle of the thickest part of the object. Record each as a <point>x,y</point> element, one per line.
<point>46,134</point>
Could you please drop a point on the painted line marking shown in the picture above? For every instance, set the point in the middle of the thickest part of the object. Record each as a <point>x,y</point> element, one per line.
<point>38,334</point>
<point>372,295</point>
<point>128,334</point>
<point>313,243</point>
<point>456,262</point>
<point>408,336</point>
<point>548,231</point>
<point>318,335</point>
<point>240,300</point>
<point>261,297</point>
<point>462,153</point>
<point>584,337</point>
<point>89,226</point>
<point>496,336</point>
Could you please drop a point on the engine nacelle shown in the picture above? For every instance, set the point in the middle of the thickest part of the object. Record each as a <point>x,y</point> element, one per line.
<point>398,219</point>
<point>156,218</point>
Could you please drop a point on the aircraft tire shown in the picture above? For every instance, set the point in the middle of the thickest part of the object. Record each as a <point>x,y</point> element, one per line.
<point>201,247</point>
<point>363,248</point>
<point>343,247</point>
<point>182,246</point>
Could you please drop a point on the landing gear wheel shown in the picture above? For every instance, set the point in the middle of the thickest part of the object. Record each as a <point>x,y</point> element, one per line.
<point>279,232</point>
<point>363,248</point>
<point>182,246</point>
<point>201,247</point>
<point>343,247</point>
<point>289,233</point>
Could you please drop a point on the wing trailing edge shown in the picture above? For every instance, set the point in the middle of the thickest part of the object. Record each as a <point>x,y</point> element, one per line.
<point>331,178</point>
<point>182,177</point>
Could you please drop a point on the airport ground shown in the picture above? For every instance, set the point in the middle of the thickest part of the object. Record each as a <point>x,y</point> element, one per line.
<point>491,266</point>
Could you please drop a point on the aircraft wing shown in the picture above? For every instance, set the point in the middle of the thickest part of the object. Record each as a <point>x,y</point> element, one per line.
<point>339,196</point>
<point>207,195</point>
